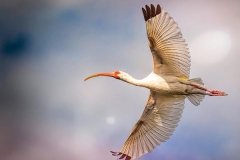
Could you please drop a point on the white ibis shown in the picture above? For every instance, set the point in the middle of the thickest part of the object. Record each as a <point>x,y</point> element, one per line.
<point>169,85</point>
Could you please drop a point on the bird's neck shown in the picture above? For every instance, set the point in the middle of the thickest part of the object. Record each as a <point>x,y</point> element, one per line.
<point>143,82</point>
<point>151,81</point>
<point>134,81</point>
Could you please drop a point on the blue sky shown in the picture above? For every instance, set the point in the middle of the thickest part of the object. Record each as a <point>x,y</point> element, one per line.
<point>47,48</point>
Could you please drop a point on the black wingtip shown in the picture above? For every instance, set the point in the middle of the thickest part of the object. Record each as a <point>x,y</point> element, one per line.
<point>122,156</point>
<point>144,14</point>
<point>158,11</point>
<point>151,11</point>
<point>148,12</point>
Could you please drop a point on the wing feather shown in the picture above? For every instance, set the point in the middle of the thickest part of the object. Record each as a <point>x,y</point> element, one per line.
<point>157,123</point>
<point>153,13</point>
<point>166,43</point>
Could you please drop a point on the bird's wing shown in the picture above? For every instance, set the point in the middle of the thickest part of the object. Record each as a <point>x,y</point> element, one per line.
<point>157,123</point>
<point>169,49</point>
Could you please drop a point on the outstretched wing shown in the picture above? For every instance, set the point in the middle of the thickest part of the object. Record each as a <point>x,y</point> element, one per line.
<point>157,123</point>
<point>169,49</point>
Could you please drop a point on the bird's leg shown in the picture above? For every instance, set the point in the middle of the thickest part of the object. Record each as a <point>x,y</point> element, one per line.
<point>217,93</point>
<point>202,88</point>
<point>211,92</point>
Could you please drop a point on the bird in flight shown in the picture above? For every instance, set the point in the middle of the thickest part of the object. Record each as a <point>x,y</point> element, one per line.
<point>169,85</point>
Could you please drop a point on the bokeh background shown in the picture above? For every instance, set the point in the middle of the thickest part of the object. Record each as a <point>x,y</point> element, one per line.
<point>47,48</point>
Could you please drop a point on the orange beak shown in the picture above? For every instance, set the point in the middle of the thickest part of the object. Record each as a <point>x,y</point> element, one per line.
<point>109,74</point>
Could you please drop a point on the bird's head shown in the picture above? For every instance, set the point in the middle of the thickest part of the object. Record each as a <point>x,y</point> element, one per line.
<point>117,74</point>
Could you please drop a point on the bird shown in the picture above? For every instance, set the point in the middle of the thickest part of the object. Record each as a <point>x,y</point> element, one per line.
<point>169,85</point>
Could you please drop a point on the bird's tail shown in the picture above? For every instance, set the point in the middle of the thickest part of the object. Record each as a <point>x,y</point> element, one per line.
<point>196,98</point>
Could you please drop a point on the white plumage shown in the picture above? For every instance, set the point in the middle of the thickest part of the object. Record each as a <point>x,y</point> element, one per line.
<point>169,85</point>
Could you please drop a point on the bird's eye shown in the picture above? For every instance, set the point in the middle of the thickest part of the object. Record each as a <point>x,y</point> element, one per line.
<point>116,74</point>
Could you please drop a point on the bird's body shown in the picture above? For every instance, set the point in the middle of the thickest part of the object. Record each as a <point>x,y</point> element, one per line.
<point>169,85</point>
<point>166,84</point>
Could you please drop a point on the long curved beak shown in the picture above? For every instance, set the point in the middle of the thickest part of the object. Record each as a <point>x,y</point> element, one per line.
<point>109,74</point>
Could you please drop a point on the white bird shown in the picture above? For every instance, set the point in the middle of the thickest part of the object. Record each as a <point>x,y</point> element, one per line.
<point>169,85</point>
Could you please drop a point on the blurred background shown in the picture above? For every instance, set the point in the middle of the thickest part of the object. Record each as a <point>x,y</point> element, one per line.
<point>47,48</point>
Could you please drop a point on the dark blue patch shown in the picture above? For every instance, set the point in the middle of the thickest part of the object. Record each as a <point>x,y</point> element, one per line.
<point>15,46</point>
